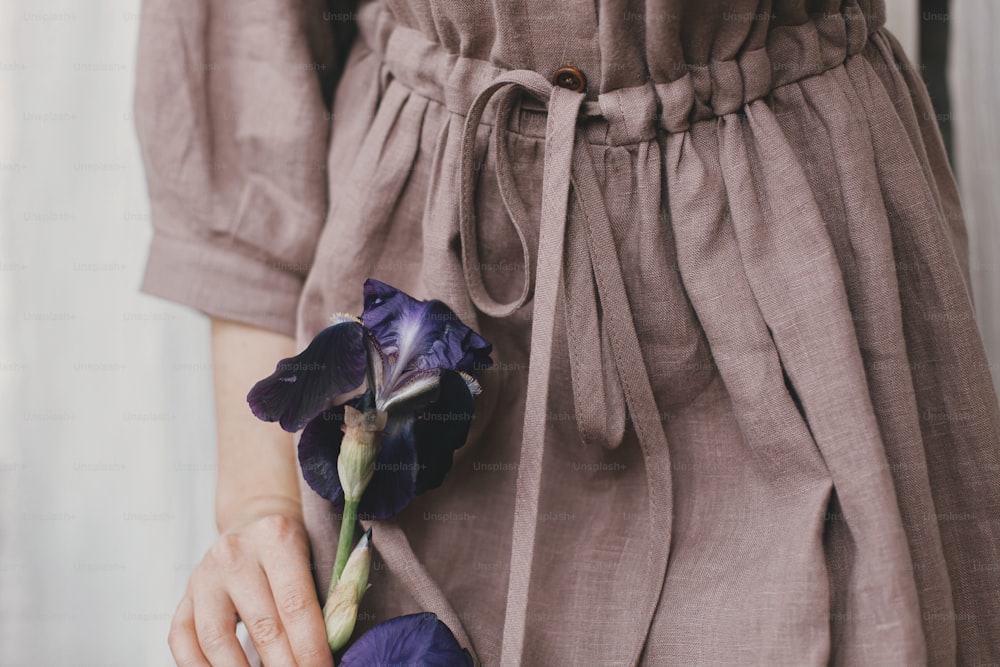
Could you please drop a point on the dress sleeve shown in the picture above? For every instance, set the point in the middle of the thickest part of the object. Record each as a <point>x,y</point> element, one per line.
<point>232,111</point>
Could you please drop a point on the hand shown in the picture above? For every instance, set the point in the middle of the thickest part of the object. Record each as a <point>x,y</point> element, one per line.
<point>257,571</point>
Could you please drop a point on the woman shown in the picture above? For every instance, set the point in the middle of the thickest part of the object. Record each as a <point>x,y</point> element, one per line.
<point>757,425</point>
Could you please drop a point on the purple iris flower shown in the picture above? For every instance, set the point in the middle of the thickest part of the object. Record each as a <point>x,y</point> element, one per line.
<point>414,362</point>
<point>417,639</point>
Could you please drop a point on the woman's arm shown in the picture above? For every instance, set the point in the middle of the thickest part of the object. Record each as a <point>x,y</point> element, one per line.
<point>257,464</point>
<point>259,568</point>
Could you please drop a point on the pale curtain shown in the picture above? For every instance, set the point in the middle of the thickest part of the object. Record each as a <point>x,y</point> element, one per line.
<point>106,431</point>
<point>974,78</point>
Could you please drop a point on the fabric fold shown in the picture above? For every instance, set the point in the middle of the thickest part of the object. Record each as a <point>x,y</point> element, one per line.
<point>792,268</point>
<point>872,274</point>
<point>758,451</point>
<point>959,424</point>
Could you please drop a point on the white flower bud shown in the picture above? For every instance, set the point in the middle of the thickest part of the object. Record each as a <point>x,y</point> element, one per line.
<point>341,609</point>
<point>341,613</point>
<point>358,450</point>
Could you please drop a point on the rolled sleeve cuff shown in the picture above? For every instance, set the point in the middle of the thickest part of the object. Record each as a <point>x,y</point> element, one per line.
<point>222,280</point>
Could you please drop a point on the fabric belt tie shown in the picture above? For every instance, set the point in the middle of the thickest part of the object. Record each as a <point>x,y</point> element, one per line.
<point>607,370</point>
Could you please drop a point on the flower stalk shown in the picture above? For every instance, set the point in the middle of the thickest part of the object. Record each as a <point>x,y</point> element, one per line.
<point>350,517</point>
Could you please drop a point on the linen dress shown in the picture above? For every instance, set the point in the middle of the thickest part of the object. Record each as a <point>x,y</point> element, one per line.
<point>740,411</point>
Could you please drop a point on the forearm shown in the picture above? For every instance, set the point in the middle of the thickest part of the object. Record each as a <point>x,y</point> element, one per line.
<point>257,466</point>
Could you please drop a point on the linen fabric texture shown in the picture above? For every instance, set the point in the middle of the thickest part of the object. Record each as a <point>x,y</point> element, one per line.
<point>740,410</point>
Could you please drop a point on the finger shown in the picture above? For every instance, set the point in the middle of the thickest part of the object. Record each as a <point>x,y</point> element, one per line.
<point>287,569</point>
<point>183,639</point>
<point>215,625</point>
<point>251,594</point>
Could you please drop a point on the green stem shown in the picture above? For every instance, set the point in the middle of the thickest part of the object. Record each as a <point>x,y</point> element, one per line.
<point>346,541</point>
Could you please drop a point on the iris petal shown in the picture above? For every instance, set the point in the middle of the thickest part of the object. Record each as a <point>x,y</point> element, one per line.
<point>416,639</point>
<point>419,335</point>
<point>441,428</point>
<point>394,483</point>
<point>301,387</point>
<point>319,447</point>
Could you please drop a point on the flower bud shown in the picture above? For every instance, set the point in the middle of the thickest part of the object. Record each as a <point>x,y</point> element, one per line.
<point>341,609</point>
<point>358,450</point>
<point>359,564</point>
<point>341,613</point>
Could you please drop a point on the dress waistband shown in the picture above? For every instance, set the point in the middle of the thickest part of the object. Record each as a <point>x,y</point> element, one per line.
<point>637,113</point>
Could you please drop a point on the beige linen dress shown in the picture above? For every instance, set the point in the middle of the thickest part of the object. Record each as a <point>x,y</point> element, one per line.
<point>740,412</point>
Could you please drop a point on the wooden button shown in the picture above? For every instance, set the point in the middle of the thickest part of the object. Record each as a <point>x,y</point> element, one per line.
<point>571,78</point>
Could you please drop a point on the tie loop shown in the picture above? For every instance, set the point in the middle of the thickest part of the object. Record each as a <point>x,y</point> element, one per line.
<point>508,86</point>
<point>598,399</point>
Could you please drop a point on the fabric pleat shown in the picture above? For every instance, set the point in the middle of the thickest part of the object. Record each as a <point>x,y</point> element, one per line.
<point>757,448</point>
<point>789,260</point>
<point>871,274</point>
<point>955,405</point>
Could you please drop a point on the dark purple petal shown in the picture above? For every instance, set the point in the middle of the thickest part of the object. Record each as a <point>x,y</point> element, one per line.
<point>419,335</point>
<point>417,639</point>
<point>319,447</point>
<point>393,484</point>
<point>477,355</point>
<point>301,387</point>
<point>441,428</point>
<point>415,451</point>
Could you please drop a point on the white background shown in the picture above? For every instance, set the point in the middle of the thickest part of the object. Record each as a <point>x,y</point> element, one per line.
<point>107,458</point>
